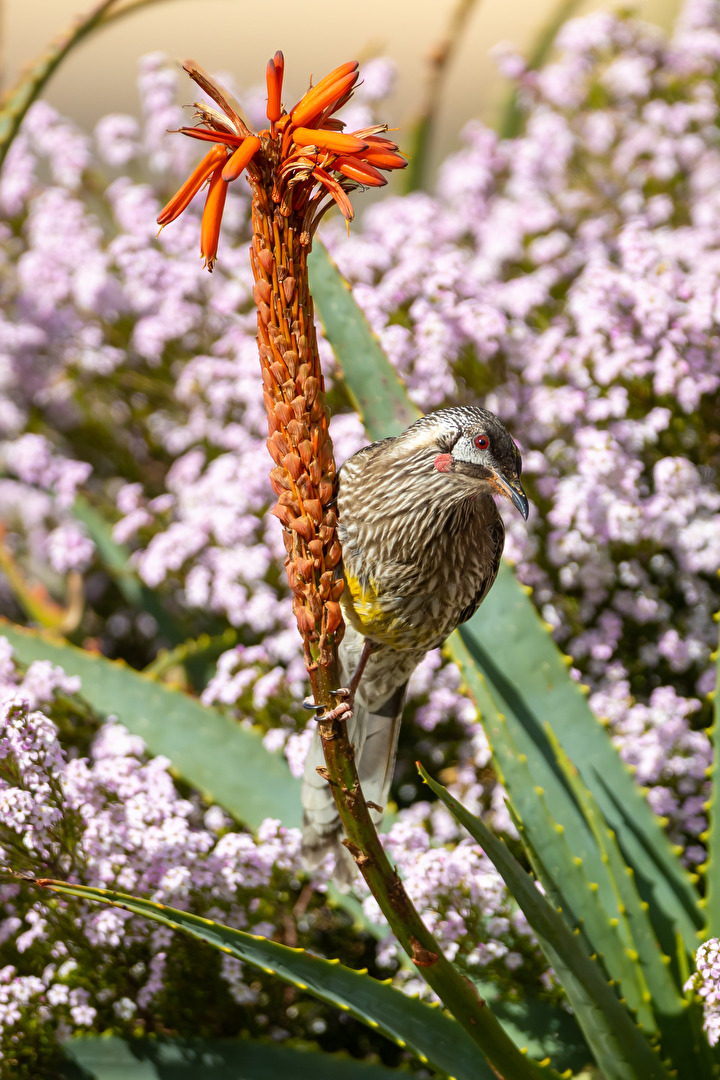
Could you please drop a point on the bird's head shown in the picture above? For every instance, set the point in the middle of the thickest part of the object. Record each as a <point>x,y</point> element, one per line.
<point>470,444</point>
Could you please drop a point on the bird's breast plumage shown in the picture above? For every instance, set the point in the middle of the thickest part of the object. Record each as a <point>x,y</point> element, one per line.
<point>418,556</point>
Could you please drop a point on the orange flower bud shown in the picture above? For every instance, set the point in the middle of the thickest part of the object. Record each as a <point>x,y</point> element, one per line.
<point>334,555</point>
<point>383,158</point>
<point>325,491</point>
<point>330,89</point>
<point>192,185</point>
<point>314,510</point>
<point>293,464</point>
<point>333,616</point>
<point>305,568</point>
<point>315,548</point>
<point>287,498</point>
<point>283,514</point>
<point>240,158</point>
<point>263,289</point>
<point>211,136</point>
<point>337,589</point>
<point>212,216</point>
<point>283,412</point>
<point>297,431</point>
<point>303,527</point>
<point>324,585</point>
<point>329,140</point>
<point>305,450</point>
<point>278,476</point>
<point>280,443</point>
<point>266,261</point>
<point>315,472</point>
<point>299,407</point>
<point>305,620</point>
<point>273,77</point>
<point>355,169</point>
<point>279,61</point>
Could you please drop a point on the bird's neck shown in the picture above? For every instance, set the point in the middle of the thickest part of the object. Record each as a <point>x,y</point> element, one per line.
<point>436,520</point>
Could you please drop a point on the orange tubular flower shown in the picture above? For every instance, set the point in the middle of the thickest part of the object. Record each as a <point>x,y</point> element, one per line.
<point>310,161</point>
<point>241,158</point>
<point>192,185</point>
<point>298,168</point>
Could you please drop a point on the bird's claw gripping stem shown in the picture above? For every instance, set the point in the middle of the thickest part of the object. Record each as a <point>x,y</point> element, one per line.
<point>347,693</point>
<point>343,709</point>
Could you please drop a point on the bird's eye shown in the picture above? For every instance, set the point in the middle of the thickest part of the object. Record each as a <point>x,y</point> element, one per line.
<point>482,442</point>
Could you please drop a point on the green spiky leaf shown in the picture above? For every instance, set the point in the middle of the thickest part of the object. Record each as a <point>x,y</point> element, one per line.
<point>430,1034</point>
<point>682,1040</point>
<point>618,1044</point>
<point>224,761</point>
<point>505,639</point>
<point>375,388</point>
<point>208,1059</point>
<point>565,876</point>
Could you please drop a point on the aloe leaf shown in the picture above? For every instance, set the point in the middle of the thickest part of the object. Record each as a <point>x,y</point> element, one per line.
<point>424,1029</point>
<point>564,875</point>
<point>686,1047</point>
<point>532,686</point>
<point>376,390</point>
<point>210,1059</point>
<point>16,102</point>
<point>227,763</point>
<point>502,733</point>
<point>621,1050</point>
<point>19,99</point>
<point>711,902</point>
<point>539,1027</point>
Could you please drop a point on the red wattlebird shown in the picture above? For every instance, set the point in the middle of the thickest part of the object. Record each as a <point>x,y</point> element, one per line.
<point>421,540</point>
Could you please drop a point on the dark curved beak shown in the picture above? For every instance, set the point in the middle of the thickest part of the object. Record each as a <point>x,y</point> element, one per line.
<point>512,489</point>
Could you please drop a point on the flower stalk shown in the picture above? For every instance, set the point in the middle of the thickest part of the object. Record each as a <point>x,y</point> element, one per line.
<point>298,168</point>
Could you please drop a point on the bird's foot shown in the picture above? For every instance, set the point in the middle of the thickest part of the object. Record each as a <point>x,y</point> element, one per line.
<point>343,710</point>
<point>343,707</point>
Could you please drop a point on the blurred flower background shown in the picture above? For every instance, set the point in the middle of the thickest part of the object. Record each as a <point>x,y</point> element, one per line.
<point>560,266</point>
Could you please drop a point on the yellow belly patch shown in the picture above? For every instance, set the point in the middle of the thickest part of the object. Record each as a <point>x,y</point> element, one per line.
<point>365,610</point>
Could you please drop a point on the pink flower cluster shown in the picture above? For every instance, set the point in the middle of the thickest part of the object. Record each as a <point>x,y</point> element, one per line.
<point>706,983</point>
<point>113,819</point>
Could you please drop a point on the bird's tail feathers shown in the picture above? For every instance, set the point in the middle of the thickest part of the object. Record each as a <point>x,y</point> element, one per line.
<point>374,736</point>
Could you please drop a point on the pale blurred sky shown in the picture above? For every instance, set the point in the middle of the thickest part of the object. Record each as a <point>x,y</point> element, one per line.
<point>315,35</point>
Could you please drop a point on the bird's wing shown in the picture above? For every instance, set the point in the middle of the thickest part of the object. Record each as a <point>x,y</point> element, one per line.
<point>496,531</point>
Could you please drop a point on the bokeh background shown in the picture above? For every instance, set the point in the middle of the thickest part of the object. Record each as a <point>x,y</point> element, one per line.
<point>315,35</point>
